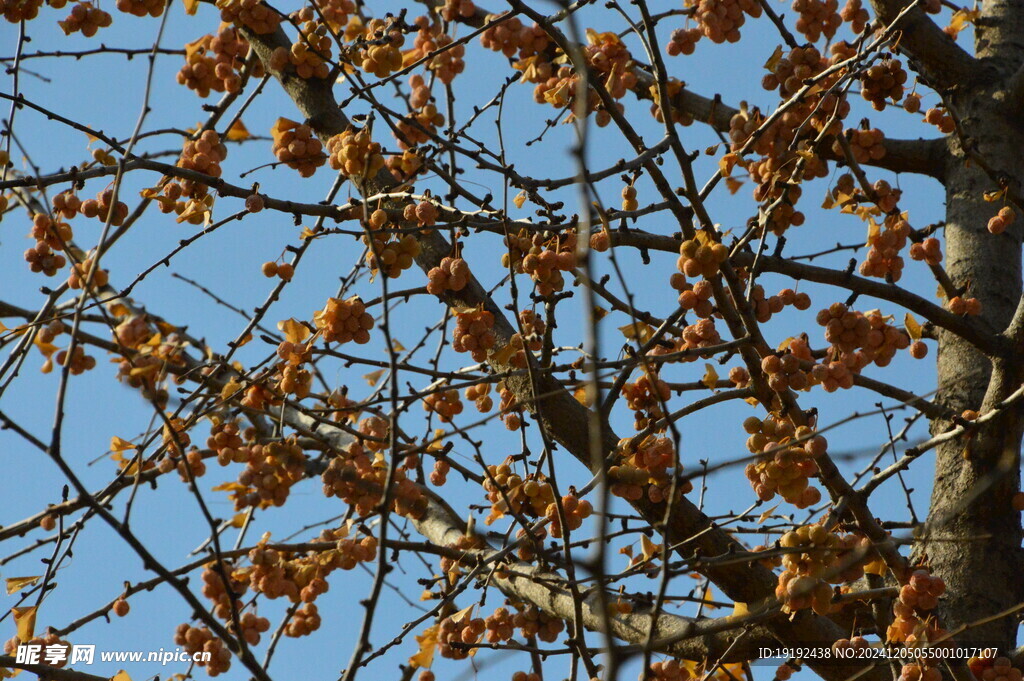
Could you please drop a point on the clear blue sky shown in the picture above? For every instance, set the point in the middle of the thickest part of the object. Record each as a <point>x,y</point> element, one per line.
<point>106,92</point>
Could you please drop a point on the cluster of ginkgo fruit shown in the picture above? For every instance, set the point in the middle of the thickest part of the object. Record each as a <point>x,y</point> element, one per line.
<point>424,214</point>
<point>252,626</point>
<point>144,373</point>
<point>764,307</point>
<point>391,256</point>
<point>511,413</point>
<point>870,334</point>
<point>673,86</point>
<point>87,18</point>
<point>883,80</point>
<point>141,8</point>
<point>912,623</point>
<point>532,621</point>
<point>683,41</point>
<point>271,471</point>
<point>960,305</point>
<point>929,250</point>
<point>785,459</point>
<point>512,38</point>
<point>810,550</point>
<point>991,669</point>
<point>201,640</point>
<point>258,396</point>
<point>41,258</point>
<point>46,642</point>
<point>855,14</point>
<point>998,223</point>
<point>479,394</point>
<point>838,373</point>
<point>559,90</point>
<point>500,626</point>
<point>866,146</point>
<point>405,166</point>
<point>222,597</point>
<point>452,567</point>
<point>55,233</point>
<point>701,257</point>
<point>203,155</point>
<point>784,372</point>
<point>335,12</point>
<point>77,361</point>
<point>792,69</point>
<point>445,403</point>
<point>941,119</point>
<point>256,15</point>
<point>355,154</point>
<point>87,274</point>
<point>439,476</point>
<point>576,510</point>
<point>380,49</point>
<point>544,260</point>
<point>304,622</point>
<point>346,410</point>
<point>457,633</point>
<point>451,274</point>
<point>642,470</point>
<point>297,146</point>
<point>855,643</point>
<point>214,63</point>
<point>817,18</point>
<point>373,433</point>
<point>344,320</point>
<point>351,552</point>
<point>310,54</point>
<point>747,122</point>
<point>169,200</point>
<point>645,398</point>
<point>883,258</point>
<point>854,553</point>
<point>454,10</point>
<point>609,57</point>
<point>271,574</point>
<point>721,21</point>
<point>509,492</point>
<point>446,59</point>
<point>423,119</point>
<point>530,339</point>
<point>175,435</point>
<point>353,478</point>
<point>666,670</point>
<point>920,671</point>
<point>474,332</point>
<point>16,11</point>
<point>189,465</point>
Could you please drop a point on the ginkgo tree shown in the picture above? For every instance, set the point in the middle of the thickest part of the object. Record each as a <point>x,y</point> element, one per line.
<point>597,372</point>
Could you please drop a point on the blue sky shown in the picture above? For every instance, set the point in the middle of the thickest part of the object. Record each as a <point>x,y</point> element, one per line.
<point>106,92</point>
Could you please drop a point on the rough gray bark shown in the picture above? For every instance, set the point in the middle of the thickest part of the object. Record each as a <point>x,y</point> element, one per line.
<point>973,538</point>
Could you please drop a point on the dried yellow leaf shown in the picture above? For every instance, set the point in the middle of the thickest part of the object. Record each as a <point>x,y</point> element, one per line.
<point>428,644</point>
<point>374,376</point>
<point>25,618</point>
<point>16,584</point>
<point>294,330</point>
<point>238,132</point>
<point>913,328</point>
<point>119,445</point>
<point>710,379</point>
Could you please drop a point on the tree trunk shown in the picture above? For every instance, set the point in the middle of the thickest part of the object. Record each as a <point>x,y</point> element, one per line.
<point>973,537</point>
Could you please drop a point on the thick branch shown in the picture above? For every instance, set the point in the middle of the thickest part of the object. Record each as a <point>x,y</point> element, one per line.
<point>939,59</point>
